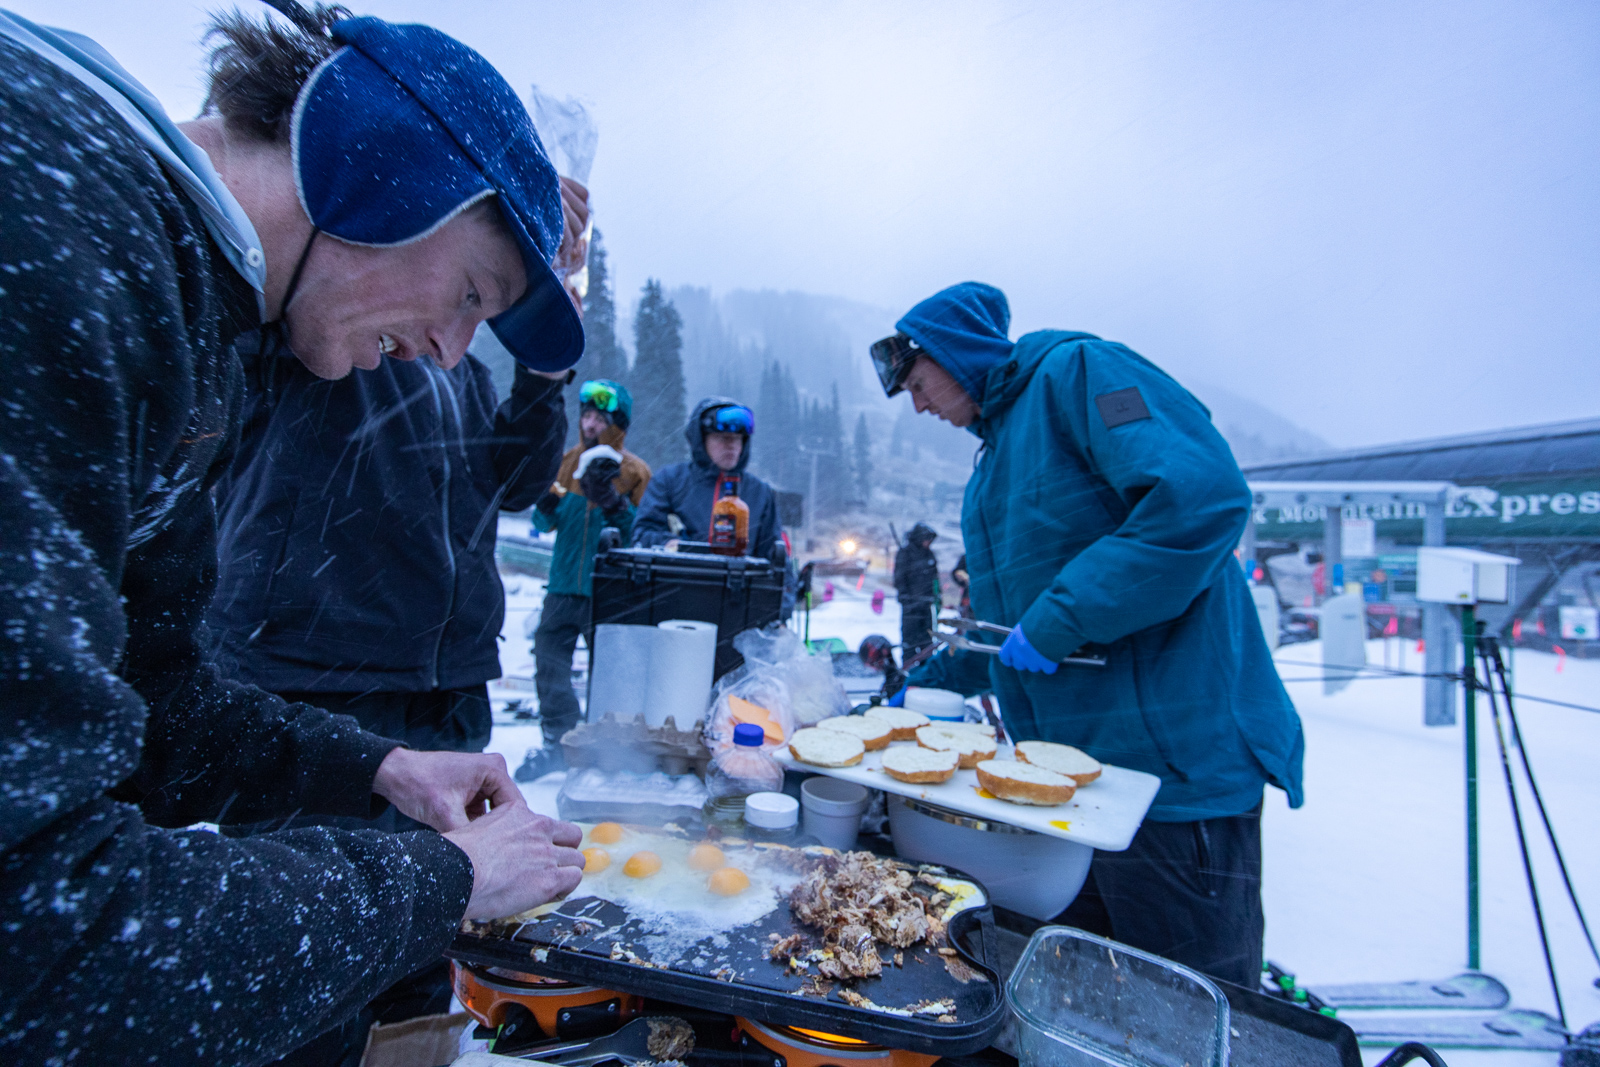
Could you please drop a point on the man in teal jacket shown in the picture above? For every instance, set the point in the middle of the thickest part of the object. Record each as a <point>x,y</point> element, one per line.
<point>599,485</point>
<point>1104,511</point>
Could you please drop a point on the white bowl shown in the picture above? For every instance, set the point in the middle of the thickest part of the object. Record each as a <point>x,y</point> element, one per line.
<point>1034,874</point>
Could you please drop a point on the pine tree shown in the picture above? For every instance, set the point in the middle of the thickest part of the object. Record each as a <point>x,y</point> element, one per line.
<point>603,357</point>
<point>863,444</point>
<point>660,408</point>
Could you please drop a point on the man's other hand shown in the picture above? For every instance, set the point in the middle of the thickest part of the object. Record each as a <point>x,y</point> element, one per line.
<point>519,860</point>
<point>445,790</point>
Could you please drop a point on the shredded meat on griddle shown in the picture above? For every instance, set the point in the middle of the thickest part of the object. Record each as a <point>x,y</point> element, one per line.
<point>858,900</point>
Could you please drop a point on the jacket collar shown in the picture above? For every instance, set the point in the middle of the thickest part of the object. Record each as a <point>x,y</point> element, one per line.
<point>1007,381</point>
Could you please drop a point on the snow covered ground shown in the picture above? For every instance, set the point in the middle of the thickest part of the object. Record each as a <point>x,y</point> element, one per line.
<point>1366,882</point>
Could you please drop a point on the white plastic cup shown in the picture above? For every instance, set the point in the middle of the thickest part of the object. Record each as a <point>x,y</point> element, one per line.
<point>940,705</point>
<point>833,810</point>
<point>771,811</point>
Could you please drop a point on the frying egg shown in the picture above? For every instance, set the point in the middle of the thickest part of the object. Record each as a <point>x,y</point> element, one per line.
<point>706,857</point>
<point>595,860</point>
<point>606,833</point>
<point>728,882</point>
<point>642,865</point>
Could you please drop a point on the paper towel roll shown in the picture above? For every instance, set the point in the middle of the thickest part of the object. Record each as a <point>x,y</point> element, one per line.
<point>654,671</point>
<point>681,667</point>
<point>619,670</point>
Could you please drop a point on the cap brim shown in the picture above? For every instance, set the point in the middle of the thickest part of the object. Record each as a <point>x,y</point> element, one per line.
<point>542,331</point>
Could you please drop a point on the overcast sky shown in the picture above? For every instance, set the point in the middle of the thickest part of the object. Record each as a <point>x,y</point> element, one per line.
<point>1380,219</point>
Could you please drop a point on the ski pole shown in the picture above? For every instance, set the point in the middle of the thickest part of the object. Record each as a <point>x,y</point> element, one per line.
<point>1522,839</point>
<point>1492,648</point>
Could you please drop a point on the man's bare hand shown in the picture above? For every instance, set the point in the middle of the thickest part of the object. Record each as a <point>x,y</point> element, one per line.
<point>446,790</point>
<point>519,861</point>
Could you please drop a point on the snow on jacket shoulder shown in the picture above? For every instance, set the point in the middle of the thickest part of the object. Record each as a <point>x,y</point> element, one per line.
<point>121,942</point>
<point>358,522</point>
<point>578,524</point>
<point>1122,507</point>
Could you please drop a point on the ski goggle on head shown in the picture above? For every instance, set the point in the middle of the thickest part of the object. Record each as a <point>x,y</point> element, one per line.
<point>602,396</point>
<point>893,358</point>
<point>730,419</point>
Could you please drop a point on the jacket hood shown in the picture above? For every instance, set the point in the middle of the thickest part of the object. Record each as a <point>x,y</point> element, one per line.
<point>963,328</point>
<point>697,444</point>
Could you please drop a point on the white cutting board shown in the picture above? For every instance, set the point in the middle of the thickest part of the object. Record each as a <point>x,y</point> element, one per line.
<point>1104,814</point>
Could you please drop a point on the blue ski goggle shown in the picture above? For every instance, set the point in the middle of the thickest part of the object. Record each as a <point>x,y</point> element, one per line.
<point>731,419</point>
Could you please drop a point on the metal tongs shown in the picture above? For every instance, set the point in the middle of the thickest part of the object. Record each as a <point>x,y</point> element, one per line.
<point>1085,656</point>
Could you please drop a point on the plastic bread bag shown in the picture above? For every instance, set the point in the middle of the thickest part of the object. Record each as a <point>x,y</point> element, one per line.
<point>570,136</point>
<point>754,693</point>
<point>814,694</point>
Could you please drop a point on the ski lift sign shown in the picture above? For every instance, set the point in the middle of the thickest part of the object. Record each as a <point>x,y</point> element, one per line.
<point>1579,623</point>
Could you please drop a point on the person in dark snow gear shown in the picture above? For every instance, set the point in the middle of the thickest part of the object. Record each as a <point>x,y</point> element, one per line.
<point>1105,509</point>
<point>678,505</point>
<point>916,580</point>
<point>958,574</point>
<point>395,618</point>
<point>599,485</point>
<point>135,252</point>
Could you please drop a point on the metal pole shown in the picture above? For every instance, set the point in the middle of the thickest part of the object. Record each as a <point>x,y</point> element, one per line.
<point>1438,688</point>
<point>811,509</point>
<point>1469,702</point>
<point>1333,551</point>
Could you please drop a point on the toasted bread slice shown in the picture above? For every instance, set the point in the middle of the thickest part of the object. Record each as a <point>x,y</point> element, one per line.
<point>1024,783</point>
<point>970,746</point>
<point>922,766</point>
<point>826,748</point>
<point>976,727</point>
<point>903,723</point>
<point>1063,759</point>
<point>874,733</point>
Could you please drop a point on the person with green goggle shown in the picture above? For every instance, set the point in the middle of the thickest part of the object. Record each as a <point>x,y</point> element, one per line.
<point>600,483</point>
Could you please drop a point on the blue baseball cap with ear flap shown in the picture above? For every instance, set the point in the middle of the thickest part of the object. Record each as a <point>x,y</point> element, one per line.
<point>401,130</point>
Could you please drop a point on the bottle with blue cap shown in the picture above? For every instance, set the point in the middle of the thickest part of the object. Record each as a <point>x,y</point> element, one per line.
<point>736,773</point>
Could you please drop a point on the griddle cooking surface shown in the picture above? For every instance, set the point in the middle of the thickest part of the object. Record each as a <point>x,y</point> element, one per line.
<point>588,939</point>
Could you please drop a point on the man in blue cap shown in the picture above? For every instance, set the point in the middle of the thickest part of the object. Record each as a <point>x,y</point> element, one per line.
<point>366,190</point>
<point>1104,511</point>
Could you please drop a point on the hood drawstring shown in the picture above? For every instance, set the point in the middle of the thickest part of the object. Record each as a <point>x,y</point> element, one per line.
<point>275,334</point>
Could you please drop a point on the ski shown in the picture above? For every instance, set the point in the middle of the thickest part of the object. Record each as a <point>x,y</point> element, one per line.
<point>1471,990</point>
<point>1516,1028</point>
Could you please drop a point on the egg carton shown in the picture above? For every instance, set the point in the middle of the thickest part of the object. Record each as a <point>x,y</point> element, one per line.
<point>631,745</point>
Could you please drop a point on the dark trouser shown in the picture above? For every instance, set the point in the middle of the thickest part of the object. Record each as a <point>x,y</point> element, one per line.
<point>916,626</point>
<point>561,622</point>
<point>1188,891</point>
<point>456,720</point>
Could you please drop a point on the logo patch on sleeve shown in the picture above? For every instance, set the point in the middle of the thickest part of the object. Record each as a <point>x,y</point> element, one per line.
<point>1122,406</point>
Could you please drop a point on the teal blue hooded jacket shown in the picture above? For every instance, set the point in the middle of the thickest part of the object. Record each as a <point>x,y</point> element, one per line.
<point>1105,509</point>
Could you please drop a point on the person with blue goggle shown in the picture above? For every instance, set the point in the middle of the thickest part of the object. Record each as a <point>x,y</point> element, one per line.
<point>677,506</point>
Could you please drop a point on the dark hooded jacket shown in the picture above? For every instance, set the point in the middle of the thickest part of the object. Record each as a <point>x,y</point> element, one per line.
<point>688,490</point>
<point>122,942</point>
<point>358,522</point>
<point>916,568</point>
<point>1122,508</point>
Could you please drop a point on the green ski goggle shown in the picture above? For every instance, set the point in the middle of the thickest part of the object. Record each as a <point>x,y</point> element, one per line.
<point>603,396</point>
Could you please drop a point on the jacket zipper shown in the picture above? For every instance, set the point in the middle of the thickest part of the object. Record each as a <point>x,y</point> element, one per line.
<point>444,511</point>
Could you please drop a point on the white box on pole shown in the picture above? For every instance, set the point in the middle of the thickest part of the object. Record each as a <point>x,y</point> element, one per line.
<point>1463,576</point>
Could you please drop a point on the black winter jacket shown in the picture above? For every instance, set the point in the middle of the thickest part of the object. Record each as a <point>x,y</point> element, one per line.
<point>121,942</point>
<point>916,574</point>
<point>357,522</point>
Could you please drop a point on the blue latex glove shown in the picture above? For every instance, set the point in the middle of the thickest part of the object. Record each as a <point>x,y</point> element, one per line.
<point>898,700</point>
<point>1017,654</point>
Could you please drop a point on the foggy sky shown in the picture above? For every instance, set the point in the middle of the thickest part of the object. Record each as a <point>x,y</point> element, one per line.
<point>1380,219</point>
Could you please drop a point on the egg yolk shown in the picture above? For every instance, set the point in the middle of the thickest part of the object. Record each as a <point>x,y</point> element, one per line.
<point>642,865</point>
<point>706,857</point>
<point>595,860</point>
<point>728,882</point>
<point>606,833</point>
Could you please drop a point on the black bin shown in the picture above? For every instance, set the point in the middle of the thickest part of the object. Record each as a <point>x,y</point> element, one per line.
<point>642,587</point>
